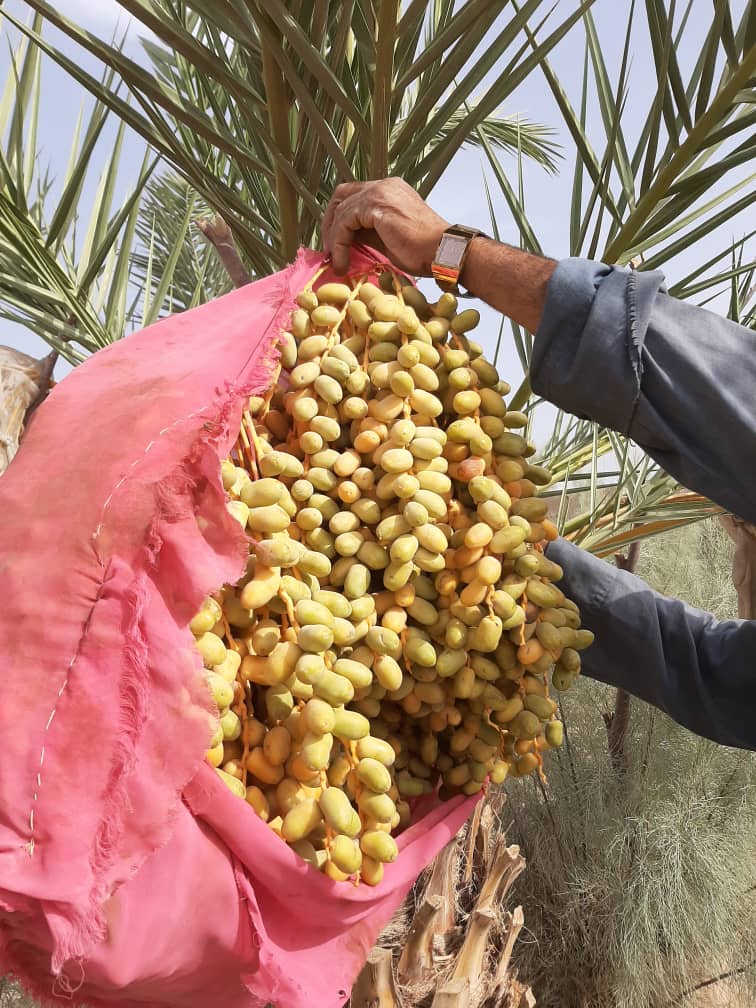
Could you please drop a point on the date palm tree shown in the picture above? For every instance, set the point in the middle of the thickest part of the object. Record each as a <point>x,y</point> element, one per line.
<point>254,112</point>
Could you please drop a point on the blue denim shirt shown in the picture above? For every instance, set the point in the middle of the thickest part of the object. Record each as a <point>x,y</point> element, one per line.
<point>681,382</point>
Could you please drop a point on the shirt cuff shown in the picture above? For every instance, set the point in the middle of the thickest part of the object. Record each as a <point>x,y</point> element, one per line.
<point>587,580</point>
<point>587,351</point>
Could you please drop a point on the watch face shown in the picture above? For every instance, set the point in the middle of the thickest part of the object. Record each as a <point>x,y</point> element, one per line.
<point>451,250</point>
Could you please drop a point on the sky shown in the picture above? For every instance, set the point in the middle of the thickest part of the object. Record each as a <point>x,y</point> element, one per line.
<point>460,195</point>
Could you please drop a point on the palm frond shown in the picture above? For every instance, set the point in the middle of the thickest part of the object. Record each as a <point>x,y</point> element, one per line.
<point>653,196</point>
<point>71,294</point>
<point>263,108</point>
<point>512,134</point>
<point>198,275</point>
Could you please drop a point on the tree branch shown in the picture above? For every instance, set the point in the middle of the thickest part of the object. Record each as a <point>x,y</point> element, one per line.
<point>24,383</point>
<point>218,233</point>
<point>618,722</point>
<point>743,535</point>
<point>712,980</point>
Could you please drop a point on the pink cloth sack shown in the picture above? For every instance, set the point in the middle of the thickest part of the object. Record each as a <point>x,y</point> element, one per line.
<point>128,873</point>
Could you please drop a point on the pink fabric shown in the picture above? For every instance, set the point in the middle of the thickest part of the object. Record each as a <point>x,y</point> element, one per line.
<point>128,872</point>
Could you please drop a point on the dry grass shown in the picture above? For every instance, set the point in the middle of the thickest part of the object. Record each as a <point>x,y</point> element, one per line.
<point>695,564</point>
<point>12,997</point>
<point>637,889</point>
<point>640,887</point>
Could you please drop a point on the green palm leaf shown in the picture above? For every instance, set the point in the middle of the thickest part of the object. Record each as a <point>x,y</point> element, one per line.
<point>70,294</point>
<point>654,196</point>
<point>264,108</point>
<point>197,275</point>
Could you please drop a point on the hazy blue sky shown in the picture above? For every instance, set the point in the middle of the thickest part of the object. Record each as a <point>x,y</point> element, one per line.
<point>460,195</point>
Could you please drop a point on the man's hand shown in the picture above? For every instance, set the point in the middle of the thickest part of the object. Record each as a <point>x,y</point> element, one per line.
<point>389,216</point>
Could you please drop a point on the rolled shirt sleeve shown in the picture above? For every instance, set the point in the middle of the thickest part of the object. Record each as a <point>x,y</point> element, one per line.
<point>699,670</point>
<point>681,382</point>
<point>678,380</point>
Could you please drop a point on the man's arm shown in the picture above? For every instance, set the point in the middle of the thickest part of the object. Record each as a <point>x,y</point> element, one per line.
<point>390,216</point>
<point>700,671</point>
<point>609,345</point>
<point>510,280</point>
<point>678,380</point>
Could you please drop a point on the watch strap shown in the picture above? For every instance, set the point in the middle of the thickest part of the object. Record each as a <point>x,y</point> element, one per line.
<point>447,275</point>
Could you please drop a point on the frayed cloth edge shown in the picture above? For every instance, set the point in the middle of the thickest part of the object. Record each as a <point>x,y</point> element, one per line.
<point>87,926</point>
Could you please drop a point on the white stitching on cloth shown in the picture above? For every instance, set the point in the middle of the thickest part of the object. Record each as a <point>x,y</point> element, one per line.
<point>35,795</point>
<point>65,988</point>
<point>30,845</point>
<point>137,461</point>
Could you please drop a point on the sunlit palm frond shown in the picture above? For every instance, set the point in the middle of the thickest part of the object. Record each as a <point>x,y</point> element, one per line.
<point>514,135</point>
<point>63,276</point>
<point>264,108</point>
<point>198,275</point>
<point>647,198</point>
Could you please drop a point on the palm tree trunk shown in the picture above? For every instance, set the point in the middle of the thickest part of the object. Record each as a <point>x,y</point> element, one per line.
<point>218,233</point>
<point>743,534</point>
<point>375,985</point>
<point>452,942</point>
<point>618,722</point>
<point>24,382</point>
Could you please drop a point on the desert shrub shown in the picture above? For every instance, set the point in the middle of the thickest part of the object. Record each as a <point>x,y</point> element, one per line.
<point>639,881</point>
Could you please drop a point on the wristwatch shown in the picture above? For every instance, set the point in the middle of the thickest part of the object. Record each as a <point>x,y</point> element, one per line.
<point>450,257</point>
